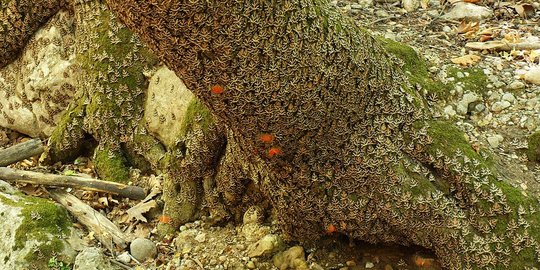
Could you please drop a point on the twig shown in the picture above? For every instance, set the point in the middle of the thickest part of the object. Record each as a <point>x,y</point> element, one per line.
<point>14,175</point>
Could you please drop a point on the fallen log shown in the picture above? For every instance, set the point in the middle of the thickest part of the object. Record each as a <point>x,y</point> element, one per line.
<point>20,152</point>
<point>47,179</point>
<point>501,46</point>
<point>105,231</point>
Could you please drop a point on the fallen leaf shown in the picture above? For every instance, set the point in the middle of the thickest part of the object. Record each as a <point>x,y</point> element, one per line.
<point>466,27</point>
<point>512,37</point>
<point>485,38</point>
<point>139,209</point>
<point>466,60</point>
<point>524,10</point>
<point>472,1</point>
<point>533,55</point>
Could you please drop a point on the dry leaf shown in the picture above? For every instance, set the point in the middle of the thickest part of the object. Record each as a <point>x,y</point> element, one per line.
<point>485,38</point>
<point>512,37</point>
<point>104,201</point>
<point>533,55</point>
<point>466,27</point>
<point>472,1</point>
<point>466,60</point>
<point>424,4</point>
<point>524,10</point>
<point>139,209</point>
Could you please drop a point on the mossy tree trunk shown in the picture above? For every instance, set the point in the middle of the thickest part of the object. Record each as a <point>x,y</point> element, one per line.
<point>317,117</point>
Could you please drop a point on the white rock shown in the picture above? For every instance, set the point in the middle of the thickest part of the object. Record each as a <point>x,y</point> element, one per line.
<point>509,97</point>
<point>449,111</point>
<point>201,237</point>
<point>170,98</point>
<point>410,5</point>
<point>267,245</point>
<point>468,11</point>
<point>500,105</point>
<point>463,104</point>
<point>516,85</point>
<point>124,257</point>
<point>91,258</point>
<point>533,75</point>
<point>495,140</point>
<point>369,265</point>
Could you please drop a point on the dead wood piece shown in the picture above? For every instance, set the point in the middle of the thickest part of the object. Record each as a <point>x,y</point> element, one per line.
<point>501,46</point>
<point>14,175</point>
<point>105,231</point>
<point>20,152</point>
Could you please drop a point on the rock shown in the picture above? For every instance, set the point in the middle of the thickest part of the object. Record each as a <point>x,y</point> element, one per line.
<point>388,267</point>
<point>369,265</point>
<point>251,265</point>
<point>37,87</point>
<point>533,75</point>
<point>293,258</point>
<point>516,85</point>
<point>468,11</point>
<point>315,266</point>
<point>495,140</point>
<point>362,4</point>
<point>170,98</point>
<point>480,107</point>
<point>449,111</point>
<point>142,249</point>
<point>463,104</point>
<point>201,237</point>
<point>509,97</point>
<point>124,257</point>
<point>32,230</point>
<point>266,246</point>
<point>92,258</point>
<point>410,5</point>
<point>500,105</point>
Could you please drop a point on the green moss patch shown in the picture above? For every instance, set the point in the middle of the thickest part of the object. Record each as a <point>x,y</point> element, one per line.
<point>415,67</point>
<point>533,151</point>
<point>473,79</point>
<point>196,114</point>
<point>111,165</point>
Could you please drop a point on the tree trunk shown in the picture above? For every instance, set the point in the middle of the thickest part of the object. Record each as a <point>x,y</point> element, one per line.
<point>310,114</point>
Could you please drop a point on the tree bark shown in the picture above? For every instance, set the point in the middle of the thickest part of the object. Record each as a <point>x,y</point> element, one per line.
<point>335,129</point>
<point>312,115</point>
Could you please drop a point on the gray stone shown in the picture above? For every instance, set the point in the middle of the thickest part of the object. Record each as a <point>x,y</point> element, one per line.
<point>468,11</point>
<point>369,265</point>
<point>43,73</point>
<point>410,5</point>
<point>170,98</point>
<point>533,75</point>
<point>124,257</point>
<point>509,97</point>
<point>495,140</point>
<point>92,258</point>
<point>500,105</point>
<point>463,104</point>
<point>516,85</point>
<point>449,111</point>
<point>29,227</point>
<point>142,249</point>
<point>267,245</point>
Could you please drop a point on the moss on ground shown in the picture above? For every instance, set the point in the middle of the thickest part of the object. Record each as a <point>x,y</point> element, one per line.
<point>473,80</point>
<point>43,221</point>
<point>533,151</point>
<point>111,165</point>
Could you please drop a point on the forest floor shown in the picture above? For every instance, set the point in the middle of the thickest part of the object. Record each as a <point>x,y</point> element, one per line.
<point>493,99</point>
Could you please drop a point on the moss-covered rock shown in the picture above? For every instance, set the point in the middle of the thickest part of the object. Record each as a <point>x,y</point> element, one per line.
<point>33,230</point>
<point>533,151</point>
